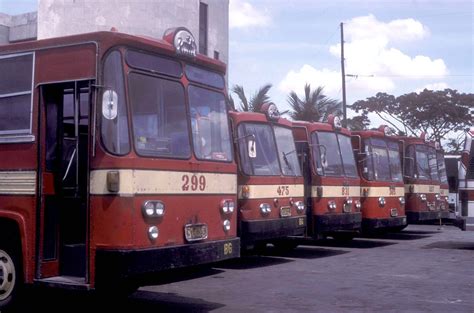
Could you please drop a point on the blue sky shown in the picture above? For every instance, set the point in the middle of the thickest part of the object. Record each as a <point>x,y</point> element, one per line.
<point>393,46</point>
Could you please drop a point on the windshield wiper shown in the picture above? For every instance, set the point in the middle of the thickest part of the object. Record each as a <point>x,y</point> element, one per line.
<point>286,160</point>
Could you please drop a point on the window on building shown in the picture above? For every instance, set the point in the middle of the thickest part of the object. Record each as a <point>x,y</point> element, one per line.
<point>202,28</point>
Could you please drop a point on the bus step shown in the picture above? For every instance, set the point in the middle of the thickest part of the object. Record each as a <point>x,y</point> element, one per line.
<point>64,282</point>
<point>73,260</point>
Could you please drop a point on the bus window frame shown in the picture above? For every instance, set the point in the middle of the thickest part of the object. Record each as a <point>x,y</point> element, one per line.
<point>21,135</point>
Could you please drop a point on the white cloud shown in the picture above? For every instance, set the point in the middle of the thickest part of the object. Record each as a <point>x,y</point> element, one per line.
<point>242,15</point>
<point>371,54</point>
<point>433,86</point>
<point>295,80</point>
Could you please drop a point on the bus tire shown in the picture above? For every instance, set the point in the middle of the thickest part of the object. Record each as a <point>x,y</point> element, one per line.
<point>10,277</point>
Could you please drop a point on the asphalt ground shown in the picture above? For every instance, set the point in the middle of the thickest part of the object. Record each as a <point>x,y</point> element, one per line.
<point>421,269</point>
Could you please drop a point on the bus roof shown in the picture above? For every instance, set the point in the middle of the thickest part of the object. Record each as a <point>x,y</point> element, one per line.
<point>107,39</point>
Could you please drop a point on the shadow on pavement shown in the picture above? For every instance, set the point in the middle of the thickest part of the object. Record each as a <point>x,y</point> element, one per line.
<point>54,300</point>
<point>302,252</point>
<point>396,236</point>
<point>462,245</point>
<point>251,261</point>
<point>356,243</point>
<point>178,275</point>
<point>420,232</point>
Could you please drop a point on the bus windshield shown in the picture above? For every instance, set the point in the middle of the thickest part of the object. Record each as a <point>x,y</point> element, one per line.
<point>209,123</point>
<point>263,161</point>
<point>441,168</point>
<point>161,126</point>
<point>333,155</point>
<point>433,163</point>
<point>287,151</point>
<point>382,161</point>
<point>422,162</point>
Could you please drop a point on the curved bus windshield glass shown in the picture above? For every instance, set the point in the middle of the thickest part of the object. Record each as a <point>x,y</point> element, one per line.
<point>345,145</point>
<point>333,155</point>
<point>287,151</point>
<point>209,124</point>
<point>382,160</point>
<point>329,162</point>
<point>159,117</point>
<point>262,159</point>
<point>433,162</point>
<point>395,165</point>
<point>422,162</point>
<point>443,178</point>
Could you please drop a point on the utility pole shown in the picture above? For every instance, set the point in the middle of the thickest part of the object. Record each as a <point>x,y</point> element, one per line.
<point>343,72</point>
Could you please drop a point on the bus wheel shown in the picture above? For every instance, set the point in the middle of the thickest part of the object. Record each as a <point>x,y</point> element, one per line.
<point>9,279</point>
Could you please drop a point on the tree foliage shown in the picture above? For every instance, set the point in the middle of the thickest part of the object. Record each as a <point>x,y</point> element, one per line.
<point>314,107</point>
<point>256,101</point>
<point>359,122</point>
<point>434,112</point>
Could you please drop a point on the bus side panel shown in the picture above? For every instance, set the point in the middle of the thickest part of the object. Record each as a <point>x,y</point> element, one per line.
<point>66,64</point>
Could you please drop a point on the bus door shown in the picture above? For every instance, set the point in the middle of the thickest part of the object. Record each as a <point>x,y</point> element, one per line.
<point>64,175</point>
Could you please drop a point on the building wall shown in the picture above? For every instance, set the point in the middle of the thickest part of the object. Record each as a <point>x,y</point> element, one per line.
<point>18,27</point>
<point>138,17</point>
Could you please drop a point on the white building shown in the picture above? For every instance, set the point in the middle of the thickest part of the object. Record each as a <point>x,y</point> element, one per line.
<point>208,20</point>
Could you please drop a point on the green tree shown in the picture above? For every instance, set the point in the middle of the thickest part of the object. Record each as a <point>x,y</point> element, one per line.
<point>359,122</point>
<point>315,106</point>
<point>256,101</point>
<point>436,113</point>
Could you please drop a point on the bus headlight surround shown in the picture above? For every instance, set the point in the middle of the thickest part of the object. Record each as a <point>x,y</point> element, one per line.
<point>382,201</point>
<point>227,206</point>
<point>226,225</point>
<point>153,233</point>
<point>402,200</point>
<point>265,208</point>
<point>153,208</point>
<point>299,206</point>
<point>422,197</point>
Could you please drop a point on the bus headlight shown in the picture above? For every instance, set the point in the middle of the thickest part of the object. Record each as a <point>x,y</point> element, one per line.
<point>358,205</point>
<point>299,206</point>
<point>265,208</point>
<point>332,205</point>
<point>153,233</point>
<point>227,206</point>
<point>422,197</point>
<point>437,196</point>
<point>382,201</point>
<point>402,200</point>
<point>226,225</point>
<point>152,208</point>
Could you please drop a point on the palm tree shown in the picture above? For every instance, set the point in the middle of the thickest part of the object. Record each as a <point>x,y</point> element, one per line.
<point>257,100</point>
<point>314,107</point>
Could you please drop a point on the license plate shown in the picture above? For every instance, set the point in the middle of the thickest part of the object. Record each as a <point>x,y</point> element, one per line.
<point>285,211</point>
<point>195,232</point>
<point>346,208</point>
<point>393,212</point>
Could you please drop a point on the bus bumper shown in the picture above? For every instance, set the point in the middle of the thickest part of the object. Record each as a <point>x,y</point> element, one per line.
<point>123,264</point>
<point>381,223</point>
<point>417,217</point>
<point>337,222</point>
<point>251,231</point>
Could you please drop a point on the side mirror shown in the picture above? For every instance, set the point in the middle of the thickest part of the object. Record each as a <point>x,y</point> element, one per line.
<point>109,104</point>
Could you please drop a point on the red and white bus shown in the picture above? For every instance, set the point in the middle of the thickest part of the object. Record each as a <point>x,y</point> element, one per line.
<point>116,160</point>
<point>270,184</point>
<point>382,187</point>
<point>422,168</point>
<point>332,184</point>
